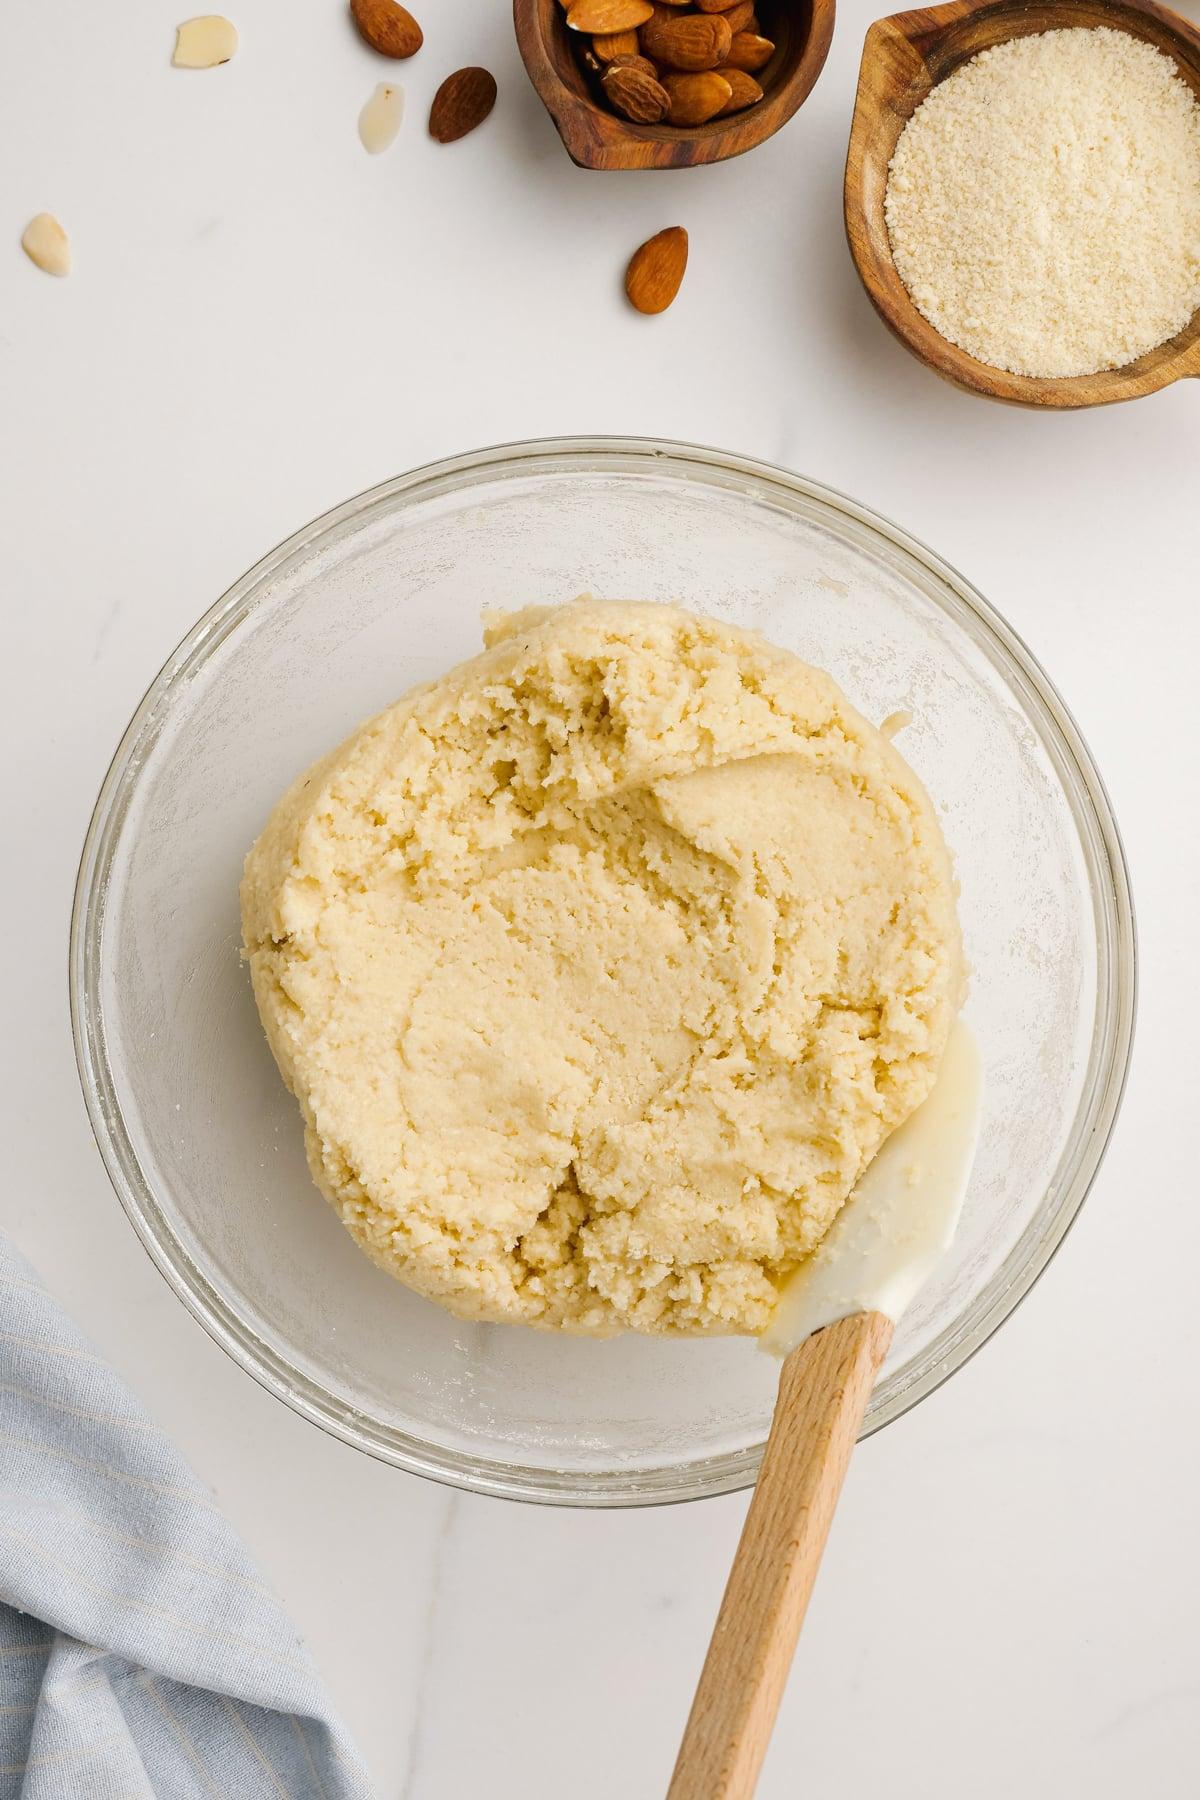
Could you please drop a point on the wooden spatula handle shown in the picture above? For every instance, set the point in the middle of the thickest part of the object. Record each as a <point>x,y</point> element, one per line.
<point>823,1394</point>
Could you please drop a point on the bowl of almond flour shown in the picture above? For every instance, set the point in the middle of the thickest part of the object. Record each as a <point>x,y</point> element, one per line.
<point>1023,204</point>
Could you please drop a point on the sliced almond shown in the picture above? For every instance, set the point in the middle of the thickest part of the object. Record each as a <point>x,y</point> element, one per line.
<point>615,43</point>
<point>603,17</point>
<point>656,270</point>
<point>204,43</point>
<point>388,27</point>
<point>381,118</point>
<point>463,101</point>
<point>46,243</point>
<point>694,99</point>
<point>745,91</point>
<point>638,96</point>
<point>749,52</point>
<point>690,41</point>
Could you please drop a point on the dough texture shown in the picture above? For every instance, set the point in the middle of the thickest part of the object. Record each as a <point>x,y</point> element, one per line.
<point>601,966</point>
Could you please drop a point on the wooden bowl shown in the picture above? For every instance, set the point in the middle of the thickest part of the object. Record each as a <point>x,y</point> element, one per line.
<point>598,138</point>
<point>903,58</point>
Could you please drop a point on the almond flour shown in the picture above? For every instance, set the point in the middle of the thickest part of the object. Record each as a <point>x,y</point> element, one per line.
<point>1043,203</point>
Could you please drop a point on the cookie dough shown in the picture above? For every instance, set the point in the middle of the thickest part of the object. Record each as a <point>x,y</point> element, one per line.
<point>600,968</point>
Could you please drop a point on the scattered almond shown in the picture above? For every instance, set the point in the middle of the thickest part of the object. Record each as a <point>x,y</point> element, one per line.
<point>694,99</point>
<point>749,52</point>
<point>656,270</point>
<point>204,43</point>
<point>388,27</point>
<point>380,118</point>
<point>615,43</point>
<point>463,101</point>
<point>608,16</point>
<point>637,95</point>
<point>744,91</point>
<point>690,41</point>
<point>46,244</point>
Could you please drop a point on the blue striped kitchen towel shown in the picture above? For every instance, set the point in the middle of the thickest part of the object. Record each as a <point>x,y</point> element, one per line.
<point>141,1658</point>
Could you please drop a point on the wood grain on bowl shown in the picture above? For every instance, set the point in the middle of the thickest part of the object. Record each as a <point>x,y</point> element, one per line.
<point>596,137</point>
<point>904,57</point>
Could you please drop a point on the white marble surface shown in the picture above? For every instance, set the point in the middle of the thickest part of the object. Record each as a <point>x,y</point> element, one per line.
<point>263,321</point>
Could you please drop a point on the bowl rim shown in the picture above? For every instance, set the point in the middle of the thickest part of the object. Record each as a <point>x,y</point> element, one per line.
<point>1096,1113</point>
<point>916,34</point>
<point>595,138</point>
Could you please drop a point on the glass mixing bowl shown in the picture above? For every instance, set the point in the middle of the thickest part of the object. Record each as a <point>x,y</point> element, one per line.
<point>204,1145</point>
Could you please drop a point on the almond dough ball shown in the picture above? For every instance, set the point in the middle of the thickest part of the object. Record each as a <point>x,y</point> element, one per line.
<point>601,967</point>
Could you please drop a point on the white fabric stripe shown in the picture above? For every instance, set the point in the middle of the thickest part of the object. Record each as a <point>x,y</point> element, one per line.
<point>298,1728</point>
<point>156,1612</point>
<point>72,1351</point>
<point>254,1747</point>
<point>78,1412</point>
<point>119,1712</point>
<point>182,1737</point>
<point>234,1576</point>
<point>59,1756</point>
<point>83,1462</point>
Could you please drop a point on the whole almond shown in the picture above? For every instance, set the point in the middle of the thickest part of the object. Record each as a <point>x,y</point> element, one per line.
<point>748,51</point>
<point>694,99</point>
<point>463,101</point>
<point>388,27</point>
<point>633,62</point>
<point>639,96</point>
<point>714,5</point>
<point>741,17</point>
<point>745,91</point>
<point>656,270</point>
<point>603,17</point>
<point>691,41</point>
<point>615,43</point>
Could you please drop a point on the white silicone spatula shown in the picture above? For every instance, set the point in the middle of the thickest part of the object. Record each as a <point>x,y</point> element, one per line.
<point>832,1326</point>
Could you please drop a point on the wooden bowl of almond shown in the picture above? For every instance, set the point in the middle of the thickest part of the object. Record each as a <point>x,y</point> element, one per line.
<point>666,84</point>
